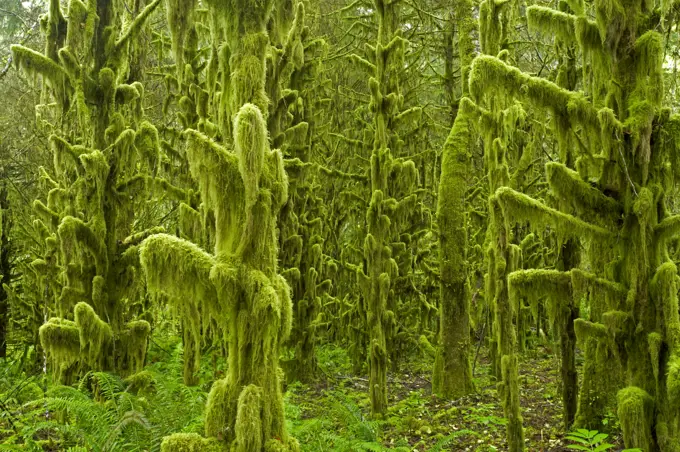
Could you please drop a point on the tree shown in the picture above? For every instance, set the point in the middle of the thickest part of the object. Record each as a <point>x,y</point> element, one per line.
<point>452,373</point>
<point>102,152</point>
<point>620,197</point>
<point>6,268</point>
<point>244,185</point>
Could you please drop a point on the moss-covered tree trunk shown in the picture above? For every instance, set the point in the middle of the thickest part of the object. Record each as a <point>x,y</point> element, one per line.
<point>390,178</point>
<point>452,376</point>
<point>292,84</point>
<point>101,149</point>
<point>626,170</point>
<point>238,286</point>
<point>496,20</point>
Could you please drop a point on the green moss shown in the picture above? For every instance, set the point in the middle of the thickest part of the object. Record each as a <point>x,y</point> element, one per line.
<point>673,382</point>
<point>509,391</point>
<point>587,200</point>
<point>133,344</point>
<point>588,330</point>
<point>520,207</point>
<point>655,342</point>
<point>95,336</point>
<point>179,270</point>
<point>141,382</point>
<point>239,285</point>
<point>61,341</point>
<point>180,14</point>
<point>248,422</point>
<point>490,75</point>
<point>189,442</point>
<point>35,63</point>
<point>219,407</point>
<point>636,415</point>
<point>452,371</point>
<point>549,21</point>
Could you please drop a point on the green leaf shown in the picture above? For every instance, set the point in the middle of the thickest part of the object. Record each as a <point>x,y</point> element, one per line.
<point>602,447</point>
<point>578,439</point>
<point>599,438</point>
<point>577,447</point>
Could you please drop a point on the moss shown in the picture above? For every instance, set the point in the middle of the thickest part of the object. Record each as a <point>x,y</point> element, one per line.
<point>549,21</point>
<point>667,228</point>
<point>61,341</point>
<point>239,285</point>
<point>491,75</point>
<point>649,50</point>
<point>673,382</point>
<point>537,284</point>
<point>452,370</point>
<point>494,22</point>
<point>180,14</point>
<point>509,391</point>
<point>76,234</point>
<point>219,407</point>
<point>136,26</point>
<point>132,346</point>
<point>655,342</point>
<point>588,330</point>
<point>636,415</point>
<point>141,382</point>
<point>587,200</point>
<point>189,442</point>
<point>35,63</point>
<point>248,422</point>
<point>181,271</point>
<point>665,288</point>
<point>518,206</point>
<point>95,336</point>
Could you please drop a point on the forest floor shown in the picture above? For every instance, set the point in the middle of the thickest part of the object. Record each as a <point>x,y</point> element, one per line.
<point>332,414</point>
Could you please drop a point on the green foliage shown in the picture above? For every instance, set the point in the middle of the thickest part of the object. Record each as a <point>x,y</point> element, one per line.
<point>591,440</point>
<point>267,189</point>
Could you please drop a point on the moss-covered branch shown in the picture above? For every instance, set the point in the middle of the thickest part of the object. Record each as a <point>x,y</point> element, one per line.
<point>588,200</point>
<point>520,207</point>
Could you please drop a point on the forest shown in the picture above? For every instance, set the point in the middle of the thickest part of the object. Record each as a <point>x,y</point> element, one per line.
<point>339,225</point>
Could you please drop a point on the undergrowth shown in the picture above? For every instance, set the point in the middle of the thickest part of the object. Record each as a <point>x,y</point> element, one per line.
<point>103,412</point>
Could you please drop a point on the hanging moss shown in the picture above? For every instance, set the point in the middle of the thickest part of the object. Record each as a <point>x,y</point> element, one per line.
<point>519,206</point>
<point>35,63</point>
<point>509,390</point>
<point>85,64</point>
<point>636,414</point>
<point>61,341</point>
<point>490,74</point>
<point>549,21</point>
<point>587,200</point>
<point>180,15</point>
<point>132,345</point>
<point>239,285</point>
<point>95,336</point>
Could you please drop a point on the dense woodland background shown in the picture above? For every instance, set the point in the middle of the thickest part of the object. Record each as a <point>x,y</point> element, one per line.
<point>333,225</point>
